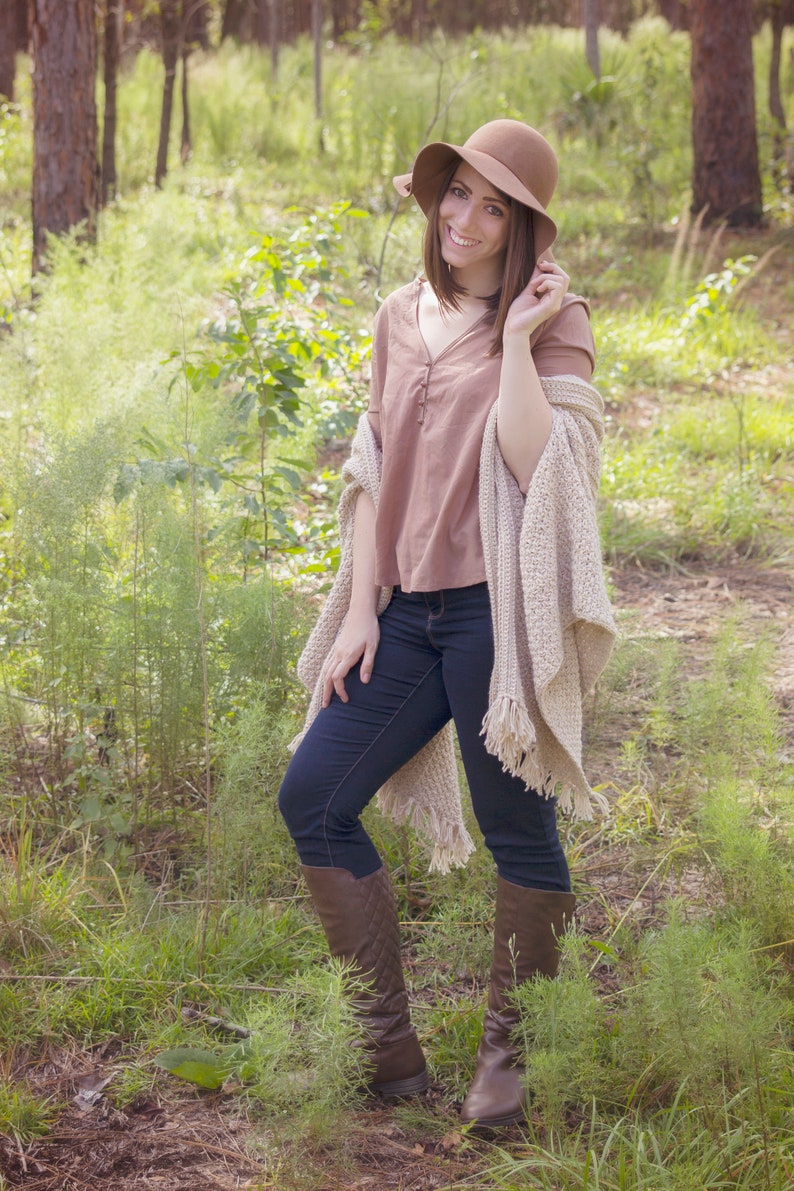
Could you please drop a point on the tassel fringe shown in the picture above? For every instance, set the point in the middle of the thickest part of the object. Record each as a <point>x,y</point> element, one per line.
<point>452,843</point>
<point>508,732</point>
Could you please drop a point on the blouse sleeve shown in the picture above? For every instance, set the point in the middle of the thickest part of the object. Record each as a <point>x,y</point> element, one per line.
<point>564,344</point>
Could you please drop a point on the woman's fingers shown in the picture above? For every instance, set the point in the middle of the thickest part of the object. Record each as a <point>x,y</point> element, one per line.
<point>368,660</point>
<point>336,671</point>
<point>549,279</point>
<point>341,661</point>
<point>541,299</point>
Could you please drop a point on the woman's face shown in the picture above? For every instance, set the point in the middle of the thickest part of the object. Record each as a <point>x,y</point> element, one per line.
<point>473,225</point>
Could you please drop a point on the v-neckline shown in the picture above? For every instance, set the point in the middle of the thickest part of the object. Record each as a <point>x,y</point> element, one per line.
<point>430,357</point>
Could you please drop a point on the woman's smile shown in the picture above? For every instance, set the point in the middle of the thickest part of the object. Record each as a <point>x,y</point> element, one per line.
<point>461,241</point>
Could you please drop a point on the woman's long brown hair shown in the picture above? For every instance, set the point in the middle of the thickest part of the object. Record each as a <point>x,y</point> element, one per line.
<point>519,261</point>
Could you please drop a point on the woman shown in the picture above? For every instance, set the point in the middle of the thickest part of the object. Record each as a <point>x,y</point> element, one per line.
<point>470,592</point>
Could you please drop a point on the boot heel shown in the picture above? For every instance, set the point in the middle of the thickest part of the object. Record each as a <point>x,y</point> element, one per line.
<point>400,1089</point>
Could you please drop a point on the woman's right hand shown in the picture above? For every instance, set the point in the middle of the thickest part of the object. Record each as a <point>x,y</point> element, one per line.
<point>358,641</point>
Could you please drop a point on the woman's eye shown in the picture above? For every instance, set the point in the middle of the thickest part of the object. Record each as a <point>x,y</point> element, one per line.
<point>495,211</point>
<point>457,191</point>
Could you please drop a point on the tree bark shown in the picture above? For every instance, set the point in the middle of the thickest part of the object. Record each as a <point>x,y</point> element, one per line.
<point>65,173</point>
<point>317,38</point>
<point>22,25</point>
<point>233,14</point>
<point>113,17</point>
<point>592,18</point>
<point>195,22</point>
<point>776,109</point>
<point>726,180</point>
<point>275,37</point>
<point>418,20</point>
<point>675,13</point>
<point>262,26</point>
<point>170,23</point>
<point>194,34</point>
<point>187,141</point>
<point>8,46</point>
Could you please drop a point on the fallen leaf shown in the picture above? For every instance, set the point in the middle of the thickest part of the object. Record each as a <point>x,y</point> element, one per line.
<point>90,1089</point>
<point>450,1140</point>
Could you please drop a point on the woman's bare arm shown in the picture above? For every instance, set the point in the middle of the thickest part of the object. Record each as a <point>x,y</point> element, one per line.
<point>524,415</point>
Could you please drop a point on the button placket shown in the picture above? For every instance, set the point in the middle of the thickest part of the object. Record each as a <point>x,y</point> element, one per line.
<point>423,386</point>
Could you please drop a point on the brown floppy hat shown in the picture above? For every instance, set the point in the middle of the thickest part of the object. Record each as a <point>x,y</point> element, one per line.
<point>511,155</point>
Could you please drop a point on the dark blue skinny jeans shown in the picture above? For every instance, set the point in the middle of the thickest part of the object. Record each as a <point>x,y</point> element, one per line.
<point>433,664</point>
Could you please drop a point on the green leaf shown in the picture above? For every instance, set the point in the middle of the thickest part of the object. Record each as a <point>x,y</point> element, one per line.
<point>196,1066</point>
<point>293,479</point>
<point>90,811</point>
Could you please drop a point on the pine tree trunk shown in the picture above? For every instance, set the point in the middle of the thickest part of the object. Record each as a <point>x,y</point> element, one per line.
<point>726,180</point>
<point>195,34</point>
<point>233,13</point>
<point>592,18</point>
<point>65,173</point>
<point>23,25</point>
<point>8,45</point>
<point>262,25</point>
<point>111,69</point>
<point>317,38</point>
<point>187,142</point>
<point>418,20</point>
<point>776,109</point>
<point>675,13</point>
<point>275,38</point>
<point>169,17</point>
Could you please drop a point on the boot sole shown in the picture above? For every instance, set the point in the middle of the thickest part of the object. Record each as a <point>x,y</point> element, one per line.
<point>515,1118</point>
<point>396,1089</point>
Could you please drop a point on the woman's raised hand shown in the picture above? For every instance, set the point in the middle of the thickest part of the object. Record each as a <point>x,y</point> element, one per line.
<point>541,299</point>
<point>357,641</point>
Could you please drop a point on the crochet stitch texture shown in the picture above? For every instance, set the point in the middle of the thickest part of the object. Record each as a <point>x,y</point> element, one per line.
<point>553,625</point>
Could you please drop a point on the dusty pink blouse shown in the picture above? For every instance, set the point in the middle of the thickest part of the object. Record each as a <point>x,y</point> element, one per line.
<point>429,418</point>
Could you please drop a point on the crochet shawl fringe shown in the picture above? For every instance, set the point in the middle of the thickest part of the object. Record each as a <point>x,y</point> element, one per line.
<point>553,626</point>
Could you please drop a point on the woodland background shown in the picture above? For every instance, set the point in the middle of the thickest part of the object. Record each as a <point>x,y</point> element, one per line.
<point>196,224</point>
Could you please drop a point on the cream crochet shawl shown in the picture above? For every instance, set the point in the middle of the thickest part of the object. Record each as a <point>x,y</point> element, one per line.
<point>553,626</point>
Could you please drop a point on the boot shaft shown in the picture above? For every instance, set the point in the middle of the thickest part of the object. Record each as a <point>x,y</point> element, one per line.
<point>527,929</point>
<point>359,917</point>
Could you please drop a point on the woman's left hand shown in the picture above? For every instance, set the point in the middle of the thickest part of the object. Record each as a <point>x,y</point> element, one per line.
<point>541,299</point>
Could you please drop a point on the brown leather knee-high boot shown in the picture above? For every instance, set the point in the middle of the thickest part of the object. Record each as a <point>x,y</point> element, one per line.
<point>528,925</point>
<point>359,917</point>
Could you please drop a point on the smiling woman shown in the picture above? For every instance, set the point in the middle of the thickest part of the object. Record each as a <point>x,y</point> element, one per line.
<point>470,592</point>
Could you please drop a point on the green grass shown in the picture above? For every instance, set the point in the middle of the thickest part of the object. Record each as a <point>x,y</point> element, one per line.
<point>23,1117</point>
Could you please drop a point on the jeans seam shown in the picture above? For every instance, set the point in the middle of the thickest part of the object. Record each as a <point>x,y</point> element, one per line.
<point>432,617</point>
<point>362,757</point>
